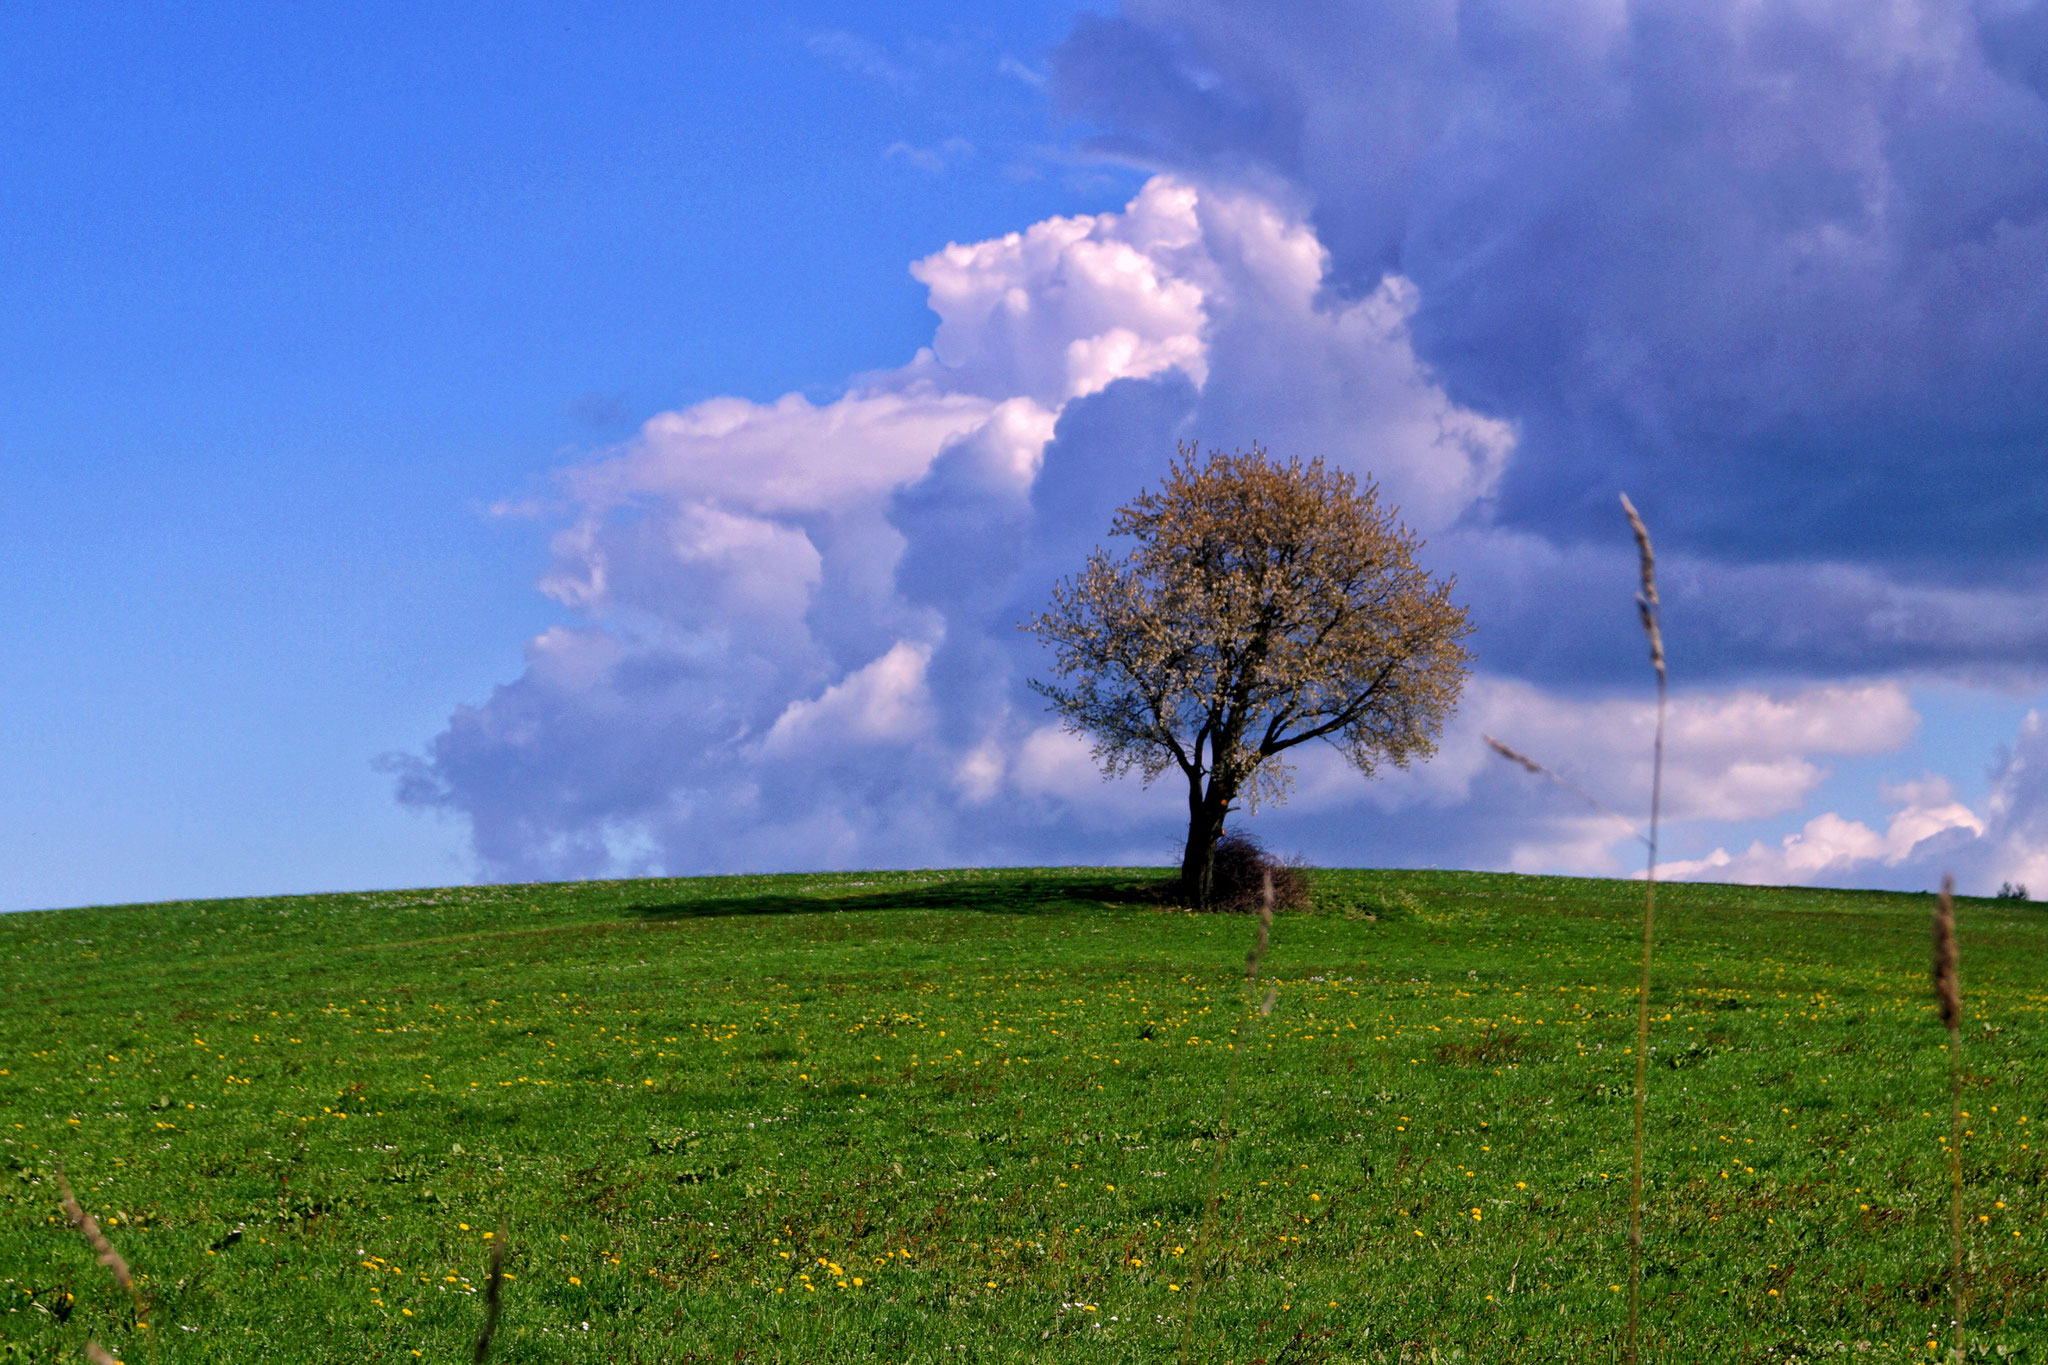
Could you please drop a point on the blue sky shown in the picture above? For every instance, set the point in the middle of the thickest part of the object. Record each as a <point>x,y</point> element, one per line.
<point>292,298</point>
<point>402,488</point>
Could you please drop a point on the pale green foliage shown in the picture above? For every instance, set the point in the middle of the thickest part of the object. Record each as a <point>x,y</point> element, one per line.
<point>1264,604</point>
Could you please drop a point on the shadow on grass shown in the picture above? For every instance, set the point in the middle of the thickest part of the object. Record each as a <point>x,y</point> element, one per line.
<point>1036,897</point>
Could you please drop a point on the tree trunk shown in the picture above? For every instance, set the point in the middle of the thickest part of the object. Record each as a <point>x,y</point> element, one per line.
<point>1206,812</point>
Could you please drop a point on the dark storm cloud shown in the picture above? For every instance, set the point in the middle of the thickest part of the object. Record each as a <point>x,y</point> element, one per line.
<point>1781,268</point>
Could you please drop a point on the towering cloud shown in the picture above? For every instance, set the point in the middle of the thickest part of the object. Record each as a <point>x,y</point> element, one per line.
<point>795,633</point>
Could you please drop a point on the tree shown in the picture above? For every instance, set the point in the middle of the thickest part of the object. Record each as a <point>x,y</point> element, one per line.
<point>1263,605</point>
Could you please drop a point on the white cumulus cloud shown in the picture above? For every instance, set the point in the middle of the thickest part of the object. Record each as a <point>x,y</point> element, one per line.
<point>882,703</point>
<point>794,622</point>
<point>1829,845</point>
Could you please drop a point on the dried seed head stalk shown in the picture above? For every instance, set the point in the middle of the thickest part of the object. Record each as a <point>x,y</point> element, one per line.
<point>493,1290</point>
<point>108,1257</point>
<point>1948,988</point>
<point>1523,760</point>
<point>1516,756</point>
<point>1646,600</point>
<point>1948,992</point>
<point>1647,609</point>
<point>1265,934</point>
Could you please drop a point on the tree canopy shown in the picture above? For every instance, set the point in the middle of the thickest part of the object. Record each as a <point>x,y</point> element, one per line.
<point>1262,605</point>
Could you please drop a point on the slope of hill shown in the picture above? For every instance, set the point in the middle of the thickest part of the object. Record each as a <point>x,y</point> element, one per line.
<point>963,1115</point>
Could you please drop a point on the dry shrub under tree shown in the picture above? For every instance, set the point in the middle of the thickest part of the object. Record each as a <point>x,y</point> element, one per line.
<point>1244,868</point>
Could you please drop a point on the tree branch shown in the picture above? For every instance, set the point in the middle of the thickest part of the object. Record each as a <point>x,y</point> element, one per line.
<point>1353,709</point>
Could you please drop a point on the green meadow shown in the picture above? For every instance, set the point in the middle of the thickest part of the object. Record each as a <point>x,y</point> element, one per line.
<point>977,1116</point>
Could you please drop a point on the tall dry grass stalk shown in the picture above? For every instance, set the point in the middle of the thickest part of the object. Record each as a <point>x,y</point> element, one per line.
<point>1253,1016</point>
<point>108,1257</point>
<point>1647,609</point>
<point>1948,993</point>
<point>493,1299</point>
<point>1523,760</point>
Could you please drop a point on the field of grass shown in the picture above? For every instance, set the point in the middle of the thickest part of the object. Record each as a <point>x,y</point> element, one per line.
<point>971,1116</point>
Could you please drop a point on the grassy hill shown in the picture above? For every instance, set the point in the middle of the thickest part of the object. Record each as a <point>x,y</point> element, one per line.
<point>972,1116</point>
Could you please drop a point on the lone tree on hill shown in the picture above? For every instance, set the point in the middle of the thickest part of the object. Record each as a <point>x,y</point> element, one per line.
<point>1264,605</point>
